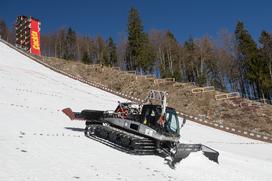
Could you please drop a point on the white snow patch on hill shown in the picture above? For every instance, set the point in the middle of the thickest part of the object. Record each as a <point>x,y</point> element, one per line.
<point>38,142</point>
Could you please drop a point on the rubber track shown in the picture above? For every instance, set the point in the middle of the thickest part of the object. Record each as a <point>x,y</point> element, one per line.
<point>145,146</point>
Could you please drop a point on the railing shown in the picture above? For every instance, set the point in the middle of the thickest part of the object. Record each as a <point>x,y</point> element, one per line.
<point>225,96</point>
<point>203,89</point>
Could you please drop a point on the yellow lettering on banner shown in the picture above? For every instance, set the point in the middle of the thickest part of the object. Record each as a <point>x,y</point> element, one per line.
<point>35,39</point>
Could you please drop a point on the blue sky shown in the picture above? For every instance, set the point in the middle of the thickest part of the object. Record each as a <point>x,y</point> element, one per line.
<point>194,18</point>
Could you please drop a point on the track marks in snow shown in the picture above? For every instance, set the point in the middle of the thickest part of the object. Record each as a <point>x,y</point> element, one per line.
<point>100,173</point>
<point>154,173</point>
<point>37,92</point>
<point>76,177</point>
<point>21,148</point>
<point>44,134</point>
<point>238,143</point>
<point>21,106</point>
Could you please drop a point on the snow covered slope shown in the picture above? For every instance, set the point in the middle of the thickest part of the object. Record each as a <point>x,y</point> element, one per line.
<point>38,142</point>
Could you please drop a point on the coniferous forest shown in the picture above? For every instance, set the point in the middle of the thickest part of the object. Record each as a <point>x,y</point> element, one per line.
<point>232,61</point>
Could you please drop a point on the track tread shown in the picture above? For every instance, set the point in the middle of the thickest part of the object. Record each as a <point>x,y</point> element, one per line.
<point>137,145</point>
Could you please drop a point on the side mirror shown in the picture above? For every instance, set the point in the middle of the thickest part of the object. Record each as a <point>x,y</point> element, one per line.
<point>184,121</point>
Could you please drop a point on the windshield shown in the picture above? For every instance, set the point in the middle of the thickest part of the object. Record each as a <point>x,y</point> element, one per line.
<point>172,121</point>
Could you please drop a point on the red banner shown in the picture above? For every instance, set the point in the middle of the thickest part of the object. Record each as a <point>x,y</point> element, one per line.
<point>35,37</point>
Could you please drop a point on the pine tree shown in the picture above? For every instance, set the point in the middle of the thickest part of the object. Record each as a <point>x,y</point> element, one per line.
<point>70,45</point>
<point>265,72</point>
<point>247,58</point>
<point>251,62</point>
<point>86,58</point>
<point>136,38</point>
<point>266,49</point>
<point>146,55</point>
<point>189,58</point>
<point>112,52</point>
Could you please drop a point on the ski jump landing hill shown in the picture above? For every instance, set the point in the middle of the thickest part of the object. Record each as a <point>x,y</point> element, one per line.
<point>38,142</point>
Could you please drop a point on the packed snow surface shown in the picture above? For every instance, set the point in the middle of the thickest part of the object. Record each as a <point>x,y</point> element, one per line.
<point>38,142</point>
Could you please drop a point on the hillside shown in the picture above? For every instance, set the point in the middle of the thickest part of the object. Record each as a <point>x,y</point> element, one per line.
<point>236,113</point>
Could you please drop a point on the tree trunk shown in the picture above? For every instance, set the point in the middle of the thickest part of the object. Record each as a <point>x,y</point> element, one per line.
<point>263,97</point>
<point>78,50</point>
<point>270,69</point>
